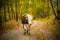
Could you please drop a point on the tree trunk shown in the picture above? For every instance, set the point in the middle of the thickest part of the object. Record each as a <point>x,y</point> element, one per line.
<point>0,12</point>
<point>16,10</point>
<point>8,11</point>
<point>12,11</point>
<point>56,17</point>
<point>5,13</point>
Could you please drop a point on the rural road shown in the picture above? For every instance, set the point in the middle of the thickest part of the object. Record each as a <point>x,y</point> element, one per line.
<point>39,31</point>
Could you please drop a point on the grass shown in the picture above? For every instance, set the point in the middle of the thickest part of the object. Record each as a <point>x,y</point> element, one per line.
<point>9,25</point>
<point>49,19</point>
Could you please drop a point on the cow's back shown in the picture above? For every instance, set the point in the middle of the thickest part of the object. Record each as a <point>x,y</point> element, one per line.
<point>26,19</point>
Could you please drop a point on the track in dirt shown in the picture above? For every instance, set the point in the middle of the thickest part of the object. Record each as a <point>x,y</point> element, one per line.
<point>39,31</point>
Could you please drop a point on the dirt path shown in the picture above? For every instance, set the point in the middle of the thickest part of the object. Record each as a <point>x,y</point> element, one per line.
<point>39,31</point>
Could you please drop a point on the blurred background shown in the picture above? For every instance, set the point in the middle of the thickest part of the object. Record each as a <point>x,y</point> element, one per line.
<point>47,11</point>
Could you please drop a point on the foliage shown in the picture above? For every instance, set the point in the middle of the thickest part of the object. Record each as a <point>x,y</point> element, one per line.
<point>13,9</point>
<point>45,10</point>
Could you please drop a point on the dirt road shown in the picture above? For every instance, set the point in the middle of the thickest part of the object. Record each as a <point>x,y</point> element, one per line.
<point>39,31</point>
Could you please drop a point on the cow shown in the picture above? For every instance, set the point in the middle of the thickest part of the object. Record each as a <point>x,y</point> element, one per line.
<point>26,19</point>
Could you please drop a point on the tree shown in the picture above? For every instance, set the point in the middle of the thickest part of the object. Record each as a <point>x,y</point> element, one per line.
<point>17,4</point>
<point>56,16</point>
<point>5,10</point>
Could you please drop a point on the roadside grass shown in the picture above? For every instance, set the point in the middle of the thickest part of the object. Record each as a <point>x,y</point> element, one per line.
<point>49,19</point>
<point>10,25</point>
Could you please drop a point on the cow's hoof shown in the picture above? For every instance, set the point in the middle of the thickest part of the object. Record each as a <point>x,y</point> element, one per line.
<point>28,33</point>
<point>24,33</point>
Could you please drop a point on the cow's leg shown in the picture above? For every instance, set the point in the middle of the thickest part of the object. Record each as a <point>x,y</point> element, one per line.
<point>24,29</point>
<point>29,29</point>
<point>23,26</point>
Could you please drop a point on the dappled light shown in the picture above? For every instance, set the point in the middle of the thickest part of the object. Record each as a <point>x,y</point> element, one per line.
<point>41,18</point>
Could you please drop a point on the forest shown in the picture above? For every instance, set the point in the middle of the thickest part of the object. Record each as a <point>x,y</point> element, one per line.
<point>47,11</point>
<point>13,9</point>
